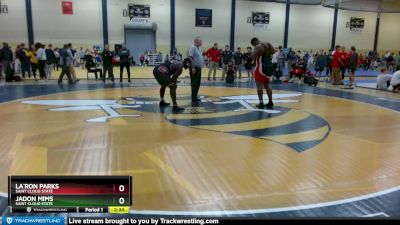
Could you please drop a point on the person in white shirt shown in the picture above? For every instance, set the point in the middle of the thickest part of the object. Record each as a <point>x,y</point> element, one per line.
<point>41,57</point>
<point>383,80</point>
<point>395,82</point>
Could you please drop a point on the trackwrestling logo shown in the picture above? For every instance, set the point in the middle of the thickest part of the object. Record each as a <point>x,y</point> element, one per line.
<point>228,114</point>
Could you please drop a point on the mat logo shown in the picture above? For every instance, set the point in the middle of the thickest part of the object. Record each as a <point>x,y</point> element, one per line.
<point>236,115</point>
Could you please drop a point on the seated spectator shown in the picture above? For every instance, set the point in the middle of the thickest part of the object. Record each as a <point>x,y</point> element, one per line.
<point>92,67</point>
<point>395,82</point>
<point>296,72</point>
<point>383,80</point>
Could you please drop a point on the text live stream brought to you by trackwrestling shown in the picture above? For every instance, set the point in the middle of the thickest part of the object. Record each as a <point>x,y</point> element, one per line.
<point>33,220</point>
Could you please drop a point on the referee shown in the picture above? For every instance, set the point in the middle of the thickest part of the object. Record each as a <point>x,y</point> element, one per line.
<point>196,56</point>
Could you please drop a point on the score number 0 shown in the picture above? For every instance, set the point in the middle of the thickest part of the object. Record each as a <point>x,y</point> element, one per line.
<point>121,200</point>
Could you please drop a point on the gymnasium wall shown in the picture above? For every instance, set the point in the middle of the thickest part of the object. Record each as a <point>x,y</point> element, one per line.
<point>13,25</point>
<point>83,28</point>
<point>245,31</point>
<point>185,29</point>
<point>310,27</point>
<point>159,14</point>
<point>362,41</point>
<point>389,35</point>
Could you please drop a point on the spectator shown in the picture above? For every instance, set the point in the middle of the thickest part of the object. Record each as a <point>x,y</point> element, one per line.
<point>33,60</point>
<point>398,62</point>
<point>383,80</point>
<point>337,63</point>
<point>238,61</point>
<point>82,57</point>
<point>141,58</point>
<point>6,58</point>
<point>71,67</point>
<point>249,62</point>
<point>214,55</point>
<point>124,57</point>
<point>50,59</point>
<point>57,58</point>
<point>66,60</point>
<point>23,57</point>
<point>107,56</point>
<point>41,56</point>
<point>226,58</point>
<point>395,82</point>
<point>320,62</point>
<point>353,64</point>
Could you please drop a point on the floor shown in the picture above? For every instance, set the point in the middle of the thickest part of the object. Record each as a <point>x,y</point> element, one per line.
<point>321,152</point>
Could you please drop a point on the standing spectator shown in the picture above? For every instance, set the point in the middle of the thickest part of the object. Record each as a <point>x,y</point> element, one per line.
<point>196,56</point>
<point>17,61</point>
<point>51,58</point>
<point>41,57</point>
<point>214,55</point>
<point>238,61</point>
<point>82,57</point>
<point>146,59</point>
<point>57,58</point>
<point>353,64</point>
<point>310,62</point>
<point>226,58</point>
<point>141,60</point>
<point>337,63</point>
<point>66,59</point>
<point>329,64</point>
<point>33,60</point>
<point>124,56</point>
<point>344,56</point>
<point>71,67</point>
<point>389,62</point>
<point>25,64</point>
<point>398,62</point>
<point>107,63</point>
<point>281,59</point>
<point>320,63</point>
<point>248,62</point>
<point>6,58</point>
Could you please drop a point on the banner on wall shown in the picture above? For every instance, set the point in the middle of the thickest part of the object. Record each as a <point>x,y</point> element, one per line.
<point>139,14</point>
<point>260,20</point>
<point>67,8</point>
<point>356,24</point>
<point>139,11</point>
<point>203,18</point>
<point>3,8</point>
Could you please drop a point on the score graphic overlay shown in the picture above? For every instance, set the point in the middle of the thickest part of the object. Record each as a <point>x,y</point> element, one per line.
<point>88,194</point>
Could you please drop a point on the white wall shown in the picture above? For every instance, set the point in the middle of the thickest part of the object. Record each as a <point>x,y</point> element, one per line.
<point>310,27</point>
<point>245,31</point>
<point>362,41</point>
<point>159,14</point>
<point>84,27</point>
<point>389,32</point>
<point>185,29</point>
<point>13,27</point>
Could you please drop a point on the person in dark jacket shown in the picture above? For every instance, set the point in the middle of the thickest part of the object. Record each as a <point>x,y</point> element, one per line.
<point>124,56</point>
<point>238,61</point>
<point>6,58</point>
<point>108,66</point>
<point>226,58</point>
<point>25,64</point>
<point>50,59</point>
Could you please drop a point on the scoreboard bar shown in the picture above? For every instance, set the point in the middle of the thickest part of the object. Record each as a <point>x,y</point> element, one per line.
<point>41,193</point>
